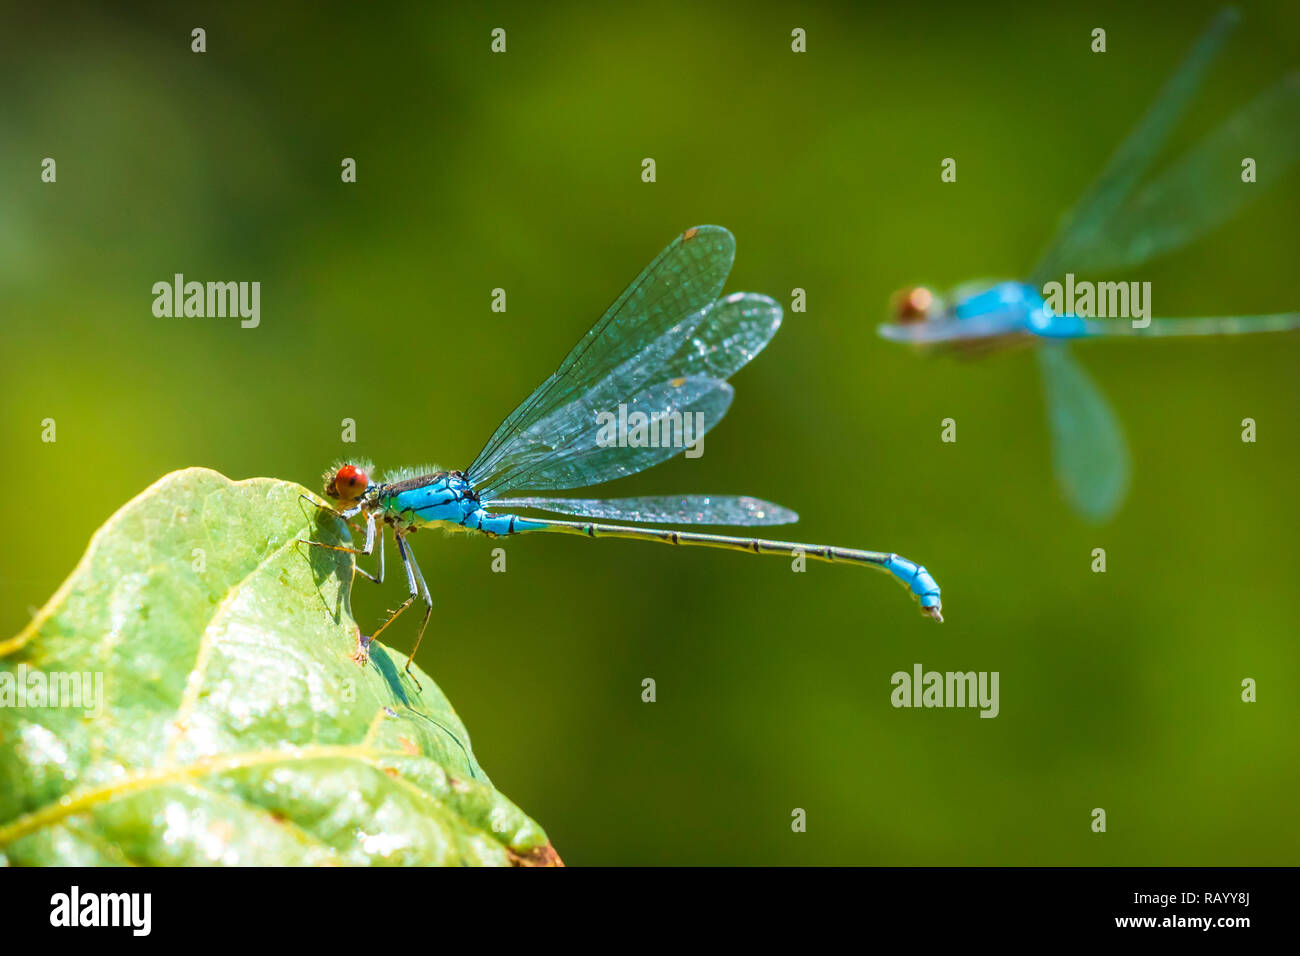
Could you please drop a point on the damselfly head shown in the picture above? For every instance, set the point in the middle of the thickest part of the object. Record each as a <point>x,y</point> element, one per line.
<point>347,484</point>
<point>914,304</point>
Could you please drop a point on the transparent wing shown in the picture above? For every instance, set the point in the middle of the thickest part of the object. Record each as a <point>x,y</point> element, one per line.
<point>683,279</point>
<point>728,335</point>
<point>710,345</point>
<point>599,443</point>
<point>666,509</point>
<point>1088,447</point>
<point>1084,226</point>
<point>1204,189</point>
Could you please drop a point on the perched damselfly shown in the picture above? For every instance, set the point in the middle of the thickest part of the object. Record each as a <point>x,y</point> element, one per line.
<point>1117,226</point>
<point>657,362</point>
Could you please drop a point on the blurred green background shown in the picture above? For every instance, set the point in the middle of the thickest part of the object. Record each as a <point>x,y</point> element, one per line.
<point>522,171</point>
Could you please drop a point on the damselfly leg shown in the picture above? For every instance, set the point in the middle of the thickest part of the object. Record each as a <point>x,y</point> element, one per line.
<point>367,550</point>
<point>418,588</point>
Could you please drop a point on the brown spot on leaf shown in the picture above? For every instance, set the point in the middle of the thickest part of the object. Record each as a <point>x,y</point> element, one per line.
<point>542,856</point>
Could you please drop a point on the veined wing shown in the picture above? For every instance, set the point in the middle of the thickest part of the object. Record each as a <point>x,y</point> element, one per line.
<point>683,279</point>
<point>1085,225</point>
<point>1088,447</point>
<point>1203,189</point>
<point>665,509</point>
<point>602,443</point>
<point>710,345</point>
<point>729,334</point>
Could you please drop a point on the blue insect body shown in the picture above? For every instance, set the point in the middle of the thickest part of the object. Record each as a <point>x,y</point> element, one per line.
<point>446,500</point>
<point>658,361</point>
<point>1117,225</point>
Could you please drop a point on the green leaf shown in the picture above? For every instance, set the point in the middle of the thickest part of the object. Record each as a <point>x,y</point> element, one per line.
<point>231,725</point>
